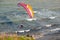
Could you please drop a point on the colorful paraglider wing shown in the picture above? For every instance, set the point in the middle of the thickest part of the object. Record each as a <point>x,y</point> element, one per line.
<point>28,8</point>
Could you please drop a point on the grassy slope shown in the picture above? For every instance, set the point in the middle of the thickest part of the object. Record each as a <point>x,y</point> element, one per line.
<point>14,37</point>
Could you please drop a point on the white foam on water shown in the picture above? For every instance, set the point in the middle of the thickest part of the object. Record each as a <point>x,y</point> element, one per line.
<point>35,11</point>
<point>53,17</point>
<point>55,29</point>
<point>31,19</point>
<point>49,25</point>
<point>27,30</point>
<point>22,31</point>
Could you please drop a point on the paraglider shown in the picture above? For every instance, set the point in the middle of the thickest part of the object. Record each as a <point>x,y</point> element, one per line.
<point>28,8</point>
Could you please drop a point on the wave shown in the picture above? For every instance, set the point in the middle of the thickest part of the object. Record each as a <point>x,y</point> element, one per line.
<point>51,31</point>
<point>31,19</point>
<point>22,31</point>
<point>53,17</point>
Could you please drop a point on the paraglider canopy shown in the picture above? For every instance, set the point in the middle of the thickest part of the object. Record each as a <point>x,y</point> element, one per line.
<point>28,9</point>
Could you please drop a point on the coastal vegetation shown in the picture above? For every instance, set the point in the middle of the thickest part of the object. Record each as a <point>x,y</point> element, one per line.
<point>14,37</point>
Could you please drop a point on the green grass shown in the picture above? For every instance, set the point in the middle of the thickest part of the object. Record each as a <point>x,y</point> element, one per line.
<point>15,38</point>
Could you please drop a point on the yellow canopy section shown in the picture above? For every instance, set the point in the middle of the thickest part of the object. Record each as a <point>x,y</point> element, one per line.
<point>31,10</point>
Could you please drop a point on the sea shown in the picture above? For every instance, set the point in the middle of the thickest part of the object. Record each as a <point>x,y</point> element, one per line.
<point>11,19</point>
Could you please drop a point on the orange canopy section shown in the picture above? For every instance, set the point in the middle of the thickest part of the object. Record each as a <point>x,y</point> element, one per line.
<point>28,8</point>
<point>31,10</point>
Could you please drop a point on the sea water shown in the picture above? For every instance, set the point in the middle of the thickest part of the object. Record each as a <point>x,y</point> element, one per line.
<point>11,18</point>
